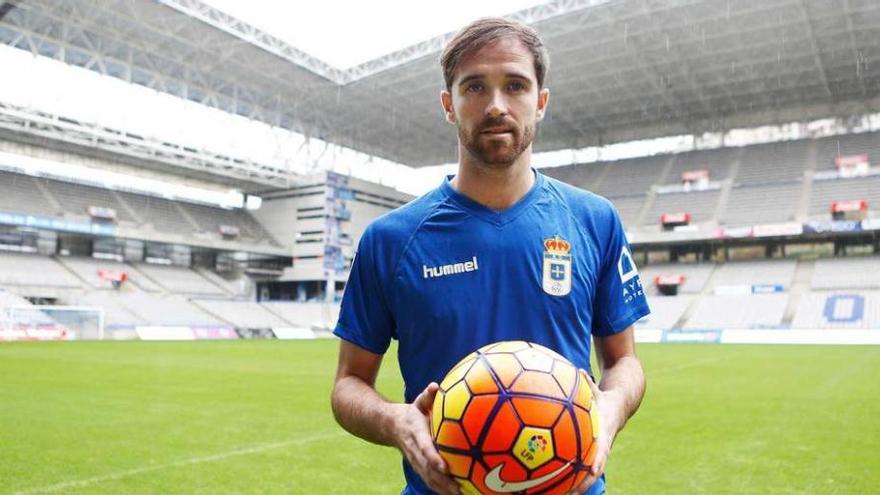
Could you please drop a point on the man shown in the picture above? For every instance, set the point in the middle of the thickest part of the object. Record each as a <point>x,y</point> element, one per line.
<point>491,220</point>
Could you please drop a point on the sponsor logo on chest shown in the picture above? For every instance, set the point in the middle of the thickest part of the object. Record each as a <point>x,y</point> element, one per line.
<point>471,265</point>
<point>557,266</point>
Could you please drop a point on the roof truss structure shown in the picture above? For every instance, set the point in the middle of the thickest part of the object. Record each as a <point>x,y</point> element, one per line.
<point>620,69</point>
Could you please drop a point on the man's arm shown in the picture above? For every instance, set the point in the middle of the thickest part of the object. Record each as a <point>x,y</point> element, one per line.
<point>618,395</point>
<point>360,409</point>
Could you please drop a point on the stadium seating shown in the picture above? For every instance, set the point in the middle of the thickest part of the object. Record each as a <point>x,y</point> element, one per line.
<point>178,279</point>
<point>773,162</point>
<point>738,311</point>
<point>309,315</point>
<point>11,299</point>
<point>696,275</point>
<point>827,149</point>
<point>25,194</point>
<point>632,176</point>
<point>116,313</point>
<point>20,193</point>
<point>847,273</point>
<point>763,272</point>
<point>838,309</point>
<point>87,270</point>
<point>35,270</point>
<point>165,309</point>
<point>245,314</point>
<point>757,204</point>
<point>826,192</point>
<point>700,204</point>
<point>162,214</point>
<point>209,219</point>
<point>75,199</point>
<point>665,311</point>
<point>716,162</point>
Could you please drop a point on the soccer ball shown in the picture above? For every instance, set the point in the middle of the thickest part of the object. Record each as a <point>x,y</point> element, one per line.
<point>515,417</point>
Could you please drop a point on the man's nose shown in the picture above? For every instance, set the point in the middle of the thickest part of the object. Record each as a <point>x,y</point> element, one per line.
<point>497,105</point>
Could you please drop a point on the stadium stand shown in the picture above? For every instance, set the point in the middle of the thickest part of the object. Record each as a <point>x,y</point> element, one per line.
<point>11,299</point>
<point>828,148</point>
<point>695,276</point>
<point>233,287</point>
<point>116,314</point>
<point>209,219</point>
<point>763,272</point>
<point>761,204</point>
<point>33,270</point>
<point>718,162</point>
<point>309,315</point>
<point>632,176</point>
<point>181,280</point>
<point>665,311</point>
<point>165,309</point>
<point>738,311</point>
<point>20,193</point>
<point>700,204</point>
<point>773,162</point>
<point>826,192</point>
<point>847,273</point>
<point>161,213</point>
<point>75,199</point>
<point>87,270</point>
<point>838,309</point>
<point>25,194</point>
<point>244,314</point>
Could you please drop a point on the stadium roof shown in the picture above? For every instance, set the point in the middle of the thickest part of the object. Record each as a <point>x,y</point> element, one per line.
<point>620,69</point>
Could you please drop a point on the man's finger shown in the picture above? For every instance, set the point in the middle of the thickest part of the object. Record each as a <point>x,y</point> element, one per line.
<point>426,399</point>
<point>430,453</point>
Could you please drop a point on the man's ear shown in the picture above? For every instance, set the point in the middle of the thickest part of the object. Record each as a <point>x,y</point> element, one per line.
<point>446,102</point>
<point>543,99</point>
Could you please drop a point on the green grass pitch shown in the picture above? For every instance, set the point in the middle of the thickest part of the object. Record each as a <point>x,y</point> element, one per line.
<point>254,417</point>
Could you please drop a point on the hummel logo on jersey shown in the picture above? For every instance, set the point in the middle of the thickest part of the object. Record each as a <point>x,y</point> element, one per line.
<point>453,269</point>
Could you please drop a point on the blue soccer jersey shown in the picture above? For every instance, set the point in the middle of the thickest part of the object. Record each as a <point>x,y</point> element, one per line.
<point>445,275</point>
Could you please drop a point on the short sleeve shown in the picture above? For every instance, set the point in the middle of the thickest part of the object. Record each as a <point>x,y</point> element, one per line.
<point>620,299</point>
<point>365,319</point>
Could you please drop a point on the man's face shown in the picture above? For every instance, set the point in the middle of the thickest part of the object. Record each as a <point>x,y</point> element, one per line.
<point>495,102</point>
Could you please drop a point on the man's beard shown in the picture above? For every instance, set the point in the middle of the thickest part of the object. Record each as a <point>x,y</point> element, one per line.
<point>496,153</point>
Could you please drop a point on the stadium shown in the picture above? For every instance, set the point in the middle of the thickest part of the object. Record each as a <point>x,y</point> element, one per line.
<point>172,263</point>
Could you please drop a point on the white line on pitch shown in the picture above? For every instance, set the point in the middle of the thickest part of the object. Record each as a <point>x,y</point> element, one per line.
<point>183,462</point>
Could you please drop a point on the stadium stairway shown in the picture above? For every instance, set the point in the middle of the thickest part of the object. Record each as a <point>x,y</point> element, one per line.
<point>727,185</point>
<point>127,207</point>
<point>51,199</point>
<point>803,209</point>
<point>800,285</point>
<point>225,285</point>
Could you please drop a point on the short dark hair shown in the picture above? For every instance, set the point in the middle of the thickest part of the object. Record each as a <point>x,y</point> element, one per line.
<point>484,31</point>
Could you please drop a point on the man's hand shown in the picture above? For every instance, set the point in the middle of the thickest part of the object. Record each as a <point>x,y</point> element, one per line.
<point>412,434</point>
<point>609,424</point>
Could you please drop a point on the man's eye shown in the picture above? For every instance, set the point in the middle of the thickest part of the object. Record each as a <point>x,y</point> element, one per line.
<point>475,87</point>
<point>517,86</point>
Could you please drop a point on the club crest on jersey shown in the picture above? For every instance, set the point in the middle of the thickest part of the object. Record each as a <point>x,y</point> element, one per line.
<point>557,266</point>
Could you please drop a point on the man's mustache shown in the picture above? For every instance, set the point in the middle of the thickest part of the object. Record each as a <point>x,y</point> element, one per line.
<point>497,123</point>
